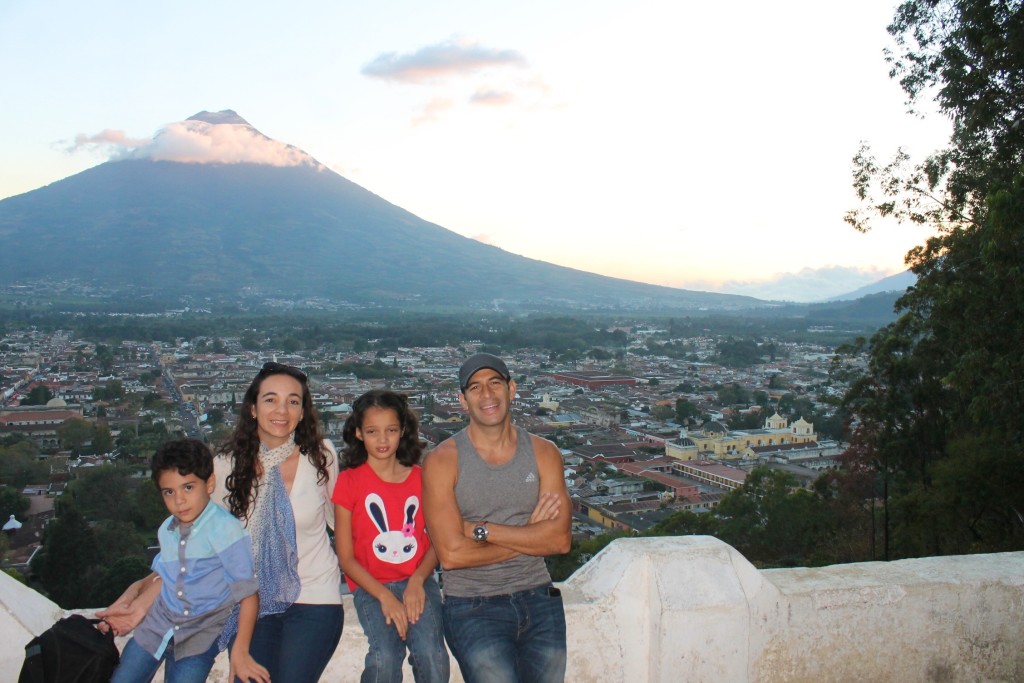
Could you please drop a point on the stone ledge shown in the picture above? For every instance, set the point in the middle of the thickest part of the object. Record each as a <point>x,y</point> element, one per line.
<point>692,608</point>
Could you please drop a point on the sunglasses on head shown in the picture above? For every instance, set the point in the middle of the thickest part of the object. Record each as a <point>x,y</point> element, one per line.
<point>275,368</point>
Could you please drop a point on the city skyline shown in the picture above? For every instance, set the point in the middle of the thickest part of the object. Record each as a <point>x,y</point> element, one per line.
<point>700,148</point>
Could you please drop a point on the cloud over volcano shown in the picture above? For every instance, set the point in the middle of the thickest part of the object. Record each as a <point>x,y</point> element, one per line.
<point>206,138</point>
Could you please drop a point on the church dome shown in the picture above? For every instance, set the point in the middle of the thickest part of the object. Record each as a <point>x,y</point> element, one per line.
<point>715,427</point>
<point>56,403</point>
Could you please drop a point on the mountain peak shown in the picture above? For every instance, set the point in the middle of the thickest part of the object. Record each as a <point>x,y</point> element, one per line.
<point>219,137</point>
<point>217,117</point>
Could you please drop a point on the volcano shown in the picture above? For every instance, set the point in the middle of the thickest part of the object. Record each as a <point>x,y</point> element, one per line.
<point>272,221</point>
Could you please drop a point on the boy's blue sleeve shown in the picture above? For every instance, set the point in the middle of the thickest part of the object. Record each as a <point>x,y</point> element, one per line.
<point>234,549</point>
<point>238,568</point>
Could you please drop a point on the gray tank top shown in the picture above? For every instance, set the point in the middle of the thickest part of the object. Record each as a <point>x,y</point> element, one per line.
<point>505,494</point>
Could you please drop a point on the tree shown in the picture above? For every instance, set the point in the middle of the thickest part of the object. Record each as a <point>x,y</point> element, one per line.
<point>685,523</point>
<point>660,412</point>
<point>966,56</point>
<point>752,420</point>
<point>68,553</point>
<point>739,353</point>
<point>19,465</point>
<point>733,394</point>
<point>118,576</point>
<point>940,409</point>
<point>943,389</point>
<point>102,440</point>
<point>112,391</point>
<point>74,434</point>
<point>774,523</point>
<point>39,395</point>
<point>12,503</point>
<point>148,507</point>
<point>103,493</point>
<point>686,410</point>
<point>115,540</point>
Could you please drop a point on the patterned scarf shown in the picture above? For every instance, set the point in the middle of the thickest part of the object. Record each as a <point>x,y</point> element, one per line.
<point>274,548</point>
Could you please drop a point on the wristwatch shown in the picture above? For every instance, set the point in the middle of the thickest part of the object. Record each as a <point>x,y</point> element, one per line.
<point>480,532</point>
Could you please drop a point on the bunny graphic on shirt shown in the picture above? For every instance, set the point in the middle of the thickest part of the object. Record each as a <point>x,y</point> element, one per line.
<point>398,546</point>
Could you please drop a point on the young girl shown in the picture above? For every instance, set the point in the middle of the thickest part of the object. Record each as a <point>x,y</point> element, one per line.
<point>382,545</point>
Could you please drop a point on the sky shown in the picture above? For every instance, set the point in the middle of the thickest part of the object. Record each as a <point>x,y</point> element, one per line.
<point>697,145</point>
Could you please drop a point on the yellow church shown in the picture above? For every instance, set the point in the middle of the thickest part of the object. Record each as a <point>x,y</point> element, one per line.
<point>715,441</point>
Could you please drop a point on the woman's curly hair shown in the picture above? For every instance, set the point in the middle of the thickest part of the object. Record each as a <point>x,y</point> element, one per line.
<point>244,443</point>
<point>410,450</point>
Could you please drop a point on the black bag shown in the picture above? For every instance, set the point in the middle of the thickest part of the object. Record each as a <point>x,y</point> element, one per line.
<point>71,651</point>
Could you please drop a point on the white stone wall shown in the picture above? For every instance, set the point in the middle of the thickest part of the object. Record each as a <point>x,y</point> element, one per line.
<point>692,609</point>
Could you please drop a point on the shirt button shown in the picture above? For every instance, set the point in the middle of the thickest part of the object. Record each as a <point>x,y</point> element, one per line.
<point>182,570</point>
<point>176,628</point>
<point>182,543</point>
<point>185,613</point>
<point>180,593</point>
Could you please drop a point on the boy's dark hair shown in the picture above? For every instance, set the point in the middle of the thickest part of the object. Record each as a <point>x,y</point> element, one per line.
<point>184,456</point>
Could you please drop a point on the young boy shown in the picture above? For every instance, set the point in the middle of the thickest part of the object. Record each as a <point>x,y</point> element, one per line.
<point>206,566</point>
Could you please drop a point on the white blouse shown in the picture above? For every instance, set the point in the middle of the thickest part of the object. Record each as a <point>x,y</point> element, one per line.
<point>314,512</point>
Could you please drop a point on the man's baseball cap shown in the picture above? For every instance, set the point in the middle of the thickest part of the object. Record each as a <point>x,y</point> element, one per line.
<point>478,362</point>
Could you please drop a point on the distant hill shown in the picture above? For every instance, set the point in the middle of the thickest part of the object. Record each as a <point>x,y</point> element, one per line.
<point>223,230</point>
<point>873,309</point>
<point>894,283</point>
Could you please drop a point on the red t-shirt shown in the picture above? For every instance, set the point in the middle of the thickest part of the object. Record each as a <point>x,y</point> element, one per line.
<point>388,534</point>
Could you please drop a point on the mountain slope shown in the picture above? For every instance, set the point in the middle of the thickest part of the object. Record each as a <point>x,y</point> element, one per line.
<point>229,229</point>
<point>894,283</point>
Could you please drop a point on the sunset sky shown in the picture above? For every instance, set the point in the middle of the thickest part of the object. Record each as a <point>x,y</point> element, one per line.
<point>696,145</point>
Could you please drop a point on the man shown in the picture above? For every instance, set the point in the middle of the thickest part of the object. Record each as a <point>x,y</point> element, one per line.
<point>496,503</point>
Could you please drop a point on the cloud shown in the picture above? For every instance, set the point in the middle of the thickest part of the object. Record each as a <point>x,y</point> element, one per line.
<point>453,57</point>
<point>809,284</point>
<point>432,109</point>
<point>199,142</point>
<point>493,98</point>
<point>485,238</point>
<point>111,140</point>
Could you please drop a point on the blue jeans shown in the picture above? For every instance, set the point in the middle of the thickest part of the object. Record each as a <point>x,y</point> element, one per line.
<point>424,639</point>
<point>138,666</point>
<point>296,644</point>
<point>513,638</point>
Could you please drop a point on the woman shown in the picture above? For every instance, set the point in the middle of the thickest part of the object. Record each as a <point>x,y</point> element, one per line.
<point>276,473</point>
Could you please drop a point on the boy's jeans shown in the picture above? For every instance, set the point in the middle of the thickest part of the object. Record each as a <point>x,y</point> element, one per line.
<point>138,666</point>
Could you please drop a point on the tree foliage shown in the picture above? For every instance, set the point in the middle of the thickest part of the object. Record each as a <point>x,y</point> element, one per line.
<point>941,405</point>
<point>97,543</point>
<point>20,465</point>
<point>103,493</point>
<point>686,410</point>
<point>939,412</point>
<point>739,353</point>
<point>12,503</point>
<point>38,396</point>
<point>75,434</point>
<point>968,57</point>
<point>68,552</point>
